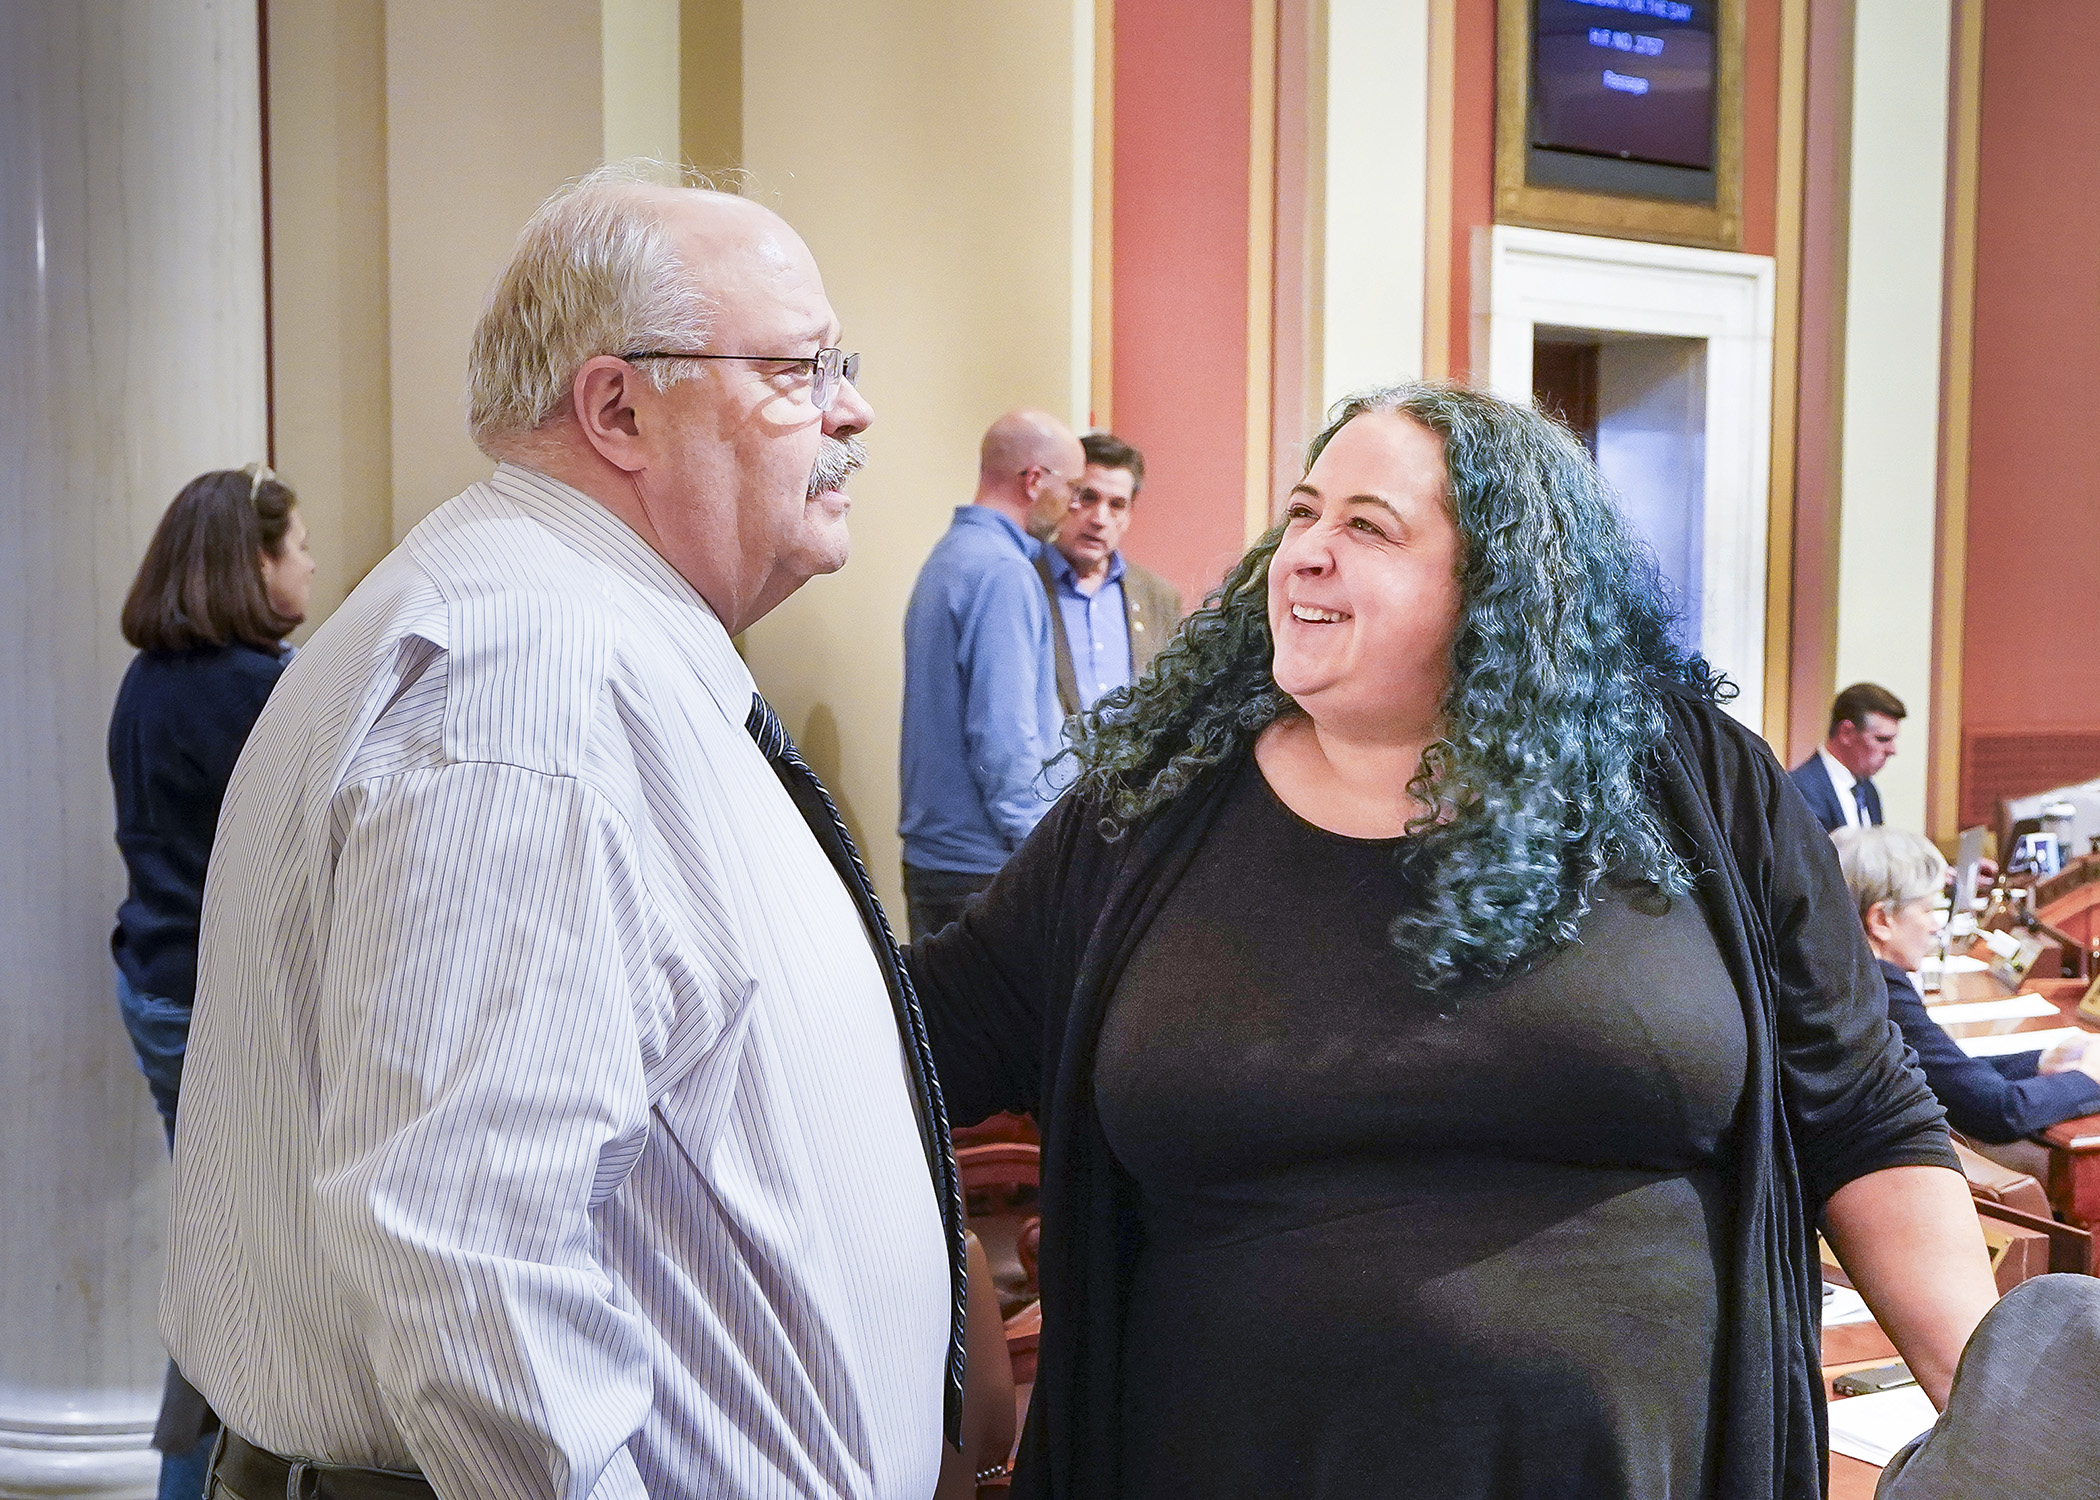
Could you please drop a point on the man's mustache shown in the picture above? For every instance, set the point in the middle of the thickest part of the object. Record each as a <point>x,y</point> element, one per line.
<point>836,460</point>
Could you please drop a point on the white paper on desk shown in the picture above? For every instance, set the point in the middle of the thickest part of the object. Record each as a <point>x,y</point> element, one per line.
<point>2016,1041</point>
<point>2013,1008</point>
<point>1842,1305</point>
<point>1954,963</point>
<point>1871,1428</point>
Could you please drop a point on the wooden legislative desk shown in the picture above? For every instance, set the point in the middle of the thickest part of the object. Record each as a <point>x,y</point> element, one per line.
<point>1852,1478</point>
<point>2073,1186</point>
<point>1853,1346</point>
<point>2074,1145</point>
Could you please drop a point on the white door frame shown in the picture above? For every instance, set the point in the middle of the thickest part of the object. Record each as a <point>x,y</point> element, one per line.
<point>1538,276</point>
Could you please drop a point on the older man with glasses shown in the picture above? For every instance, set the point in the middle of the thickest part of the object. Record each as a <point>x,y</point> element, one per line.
<point>981,715</point>
<point>539,972</point>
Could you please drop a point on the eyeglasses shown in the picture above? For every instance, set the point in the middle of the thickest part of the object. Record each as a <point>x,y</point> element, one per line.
<point>1068,481</point>
<point>828,367</point>
<point>258,474</point>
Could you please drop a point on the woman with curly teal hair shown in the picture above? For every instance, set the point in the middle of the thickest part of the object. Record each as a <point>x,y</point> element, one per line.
<point>1446,1025</point>
<point>1528,788</point>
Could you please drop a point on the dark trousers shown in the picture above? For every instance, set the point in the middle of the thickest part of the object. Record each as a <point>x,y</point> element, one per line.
<point>934,898</point>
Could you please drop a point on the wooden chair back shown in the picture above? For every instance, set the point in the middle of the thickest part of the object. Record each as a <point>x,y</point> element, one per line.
<point>2070,1248</point>
<point>999,1164</point>
<point>1990,1182</point>
<point>997,1128</point>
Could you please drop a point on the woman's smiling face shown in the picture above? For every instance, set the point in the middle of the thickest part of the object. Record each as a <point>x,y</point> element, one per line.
<point>1363,590</point>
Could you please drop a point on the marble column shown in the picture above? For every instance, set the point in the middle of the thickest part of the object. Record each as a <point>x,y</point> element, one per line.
<point>131,359</point>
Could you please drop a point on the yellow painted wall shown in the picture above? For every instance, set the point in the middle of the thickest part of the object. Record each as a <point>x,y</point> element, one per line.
<point>711,82</point>
<point>936,153</point>
<point>490,107</point>
<point>408,144</point>
<point>328,281</point>
<point>926,152</point>
<point>640,72</point>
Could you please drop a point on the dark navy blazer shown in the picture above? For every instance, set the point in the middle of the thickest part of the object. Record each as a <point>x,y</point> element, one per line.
<point>1994,1099</point>
<point>1822,798</point>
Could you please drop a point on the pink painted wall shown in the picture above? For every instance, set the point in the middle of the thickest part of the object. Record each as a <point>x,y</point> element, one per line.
<point>2031,656</point>
<point>1472,167</point>
<point>1760,125</point>
<point>1180,253</point>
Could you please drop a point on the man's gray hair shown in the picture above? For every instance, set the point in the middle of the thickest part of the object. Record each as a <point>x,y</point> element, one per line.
<point>594,272</point>
<point>1891,867</point>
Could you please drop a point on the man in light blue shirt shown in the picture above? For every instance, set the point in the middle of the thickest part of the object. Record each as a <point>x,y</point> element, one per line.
<point>981,715</point>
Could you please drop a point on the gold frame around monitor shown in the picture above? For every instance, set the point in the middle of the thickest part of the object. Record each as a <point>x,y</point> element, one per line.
<point>1718,225</point>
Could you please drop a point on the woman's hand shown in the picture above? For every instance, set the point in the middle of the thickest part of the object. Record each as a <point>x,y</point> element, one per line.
<point>1908,1238</point>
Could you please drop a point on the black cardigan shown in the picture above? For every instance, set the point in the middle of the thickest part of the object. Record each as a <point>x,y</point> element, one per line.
<point>1016,991</point>
<point>1995,1099</point>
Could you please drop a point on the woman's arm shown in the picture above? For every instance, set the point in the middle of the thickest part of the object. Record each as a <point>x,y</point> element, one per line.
<point>1908,1238</point>
<point>988,1395</point>
<point>990,984</point>
<point>1854,1104</point>
<point>1869,1138</point>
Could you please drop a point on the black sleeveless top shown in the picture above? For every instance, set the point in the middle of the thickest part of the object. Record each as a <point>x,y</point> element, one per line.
<point>1401,1244</point>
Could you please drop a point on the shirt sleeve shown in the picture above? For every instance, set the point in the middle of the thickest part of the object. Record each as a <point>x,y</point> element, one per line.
<point>1004,643</point>
<point>495,1015</point>
<point>1998,1099</point>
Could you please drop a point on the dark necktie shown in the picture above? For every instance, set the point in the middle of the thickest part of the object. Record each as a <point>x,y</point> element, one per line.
<point>1859,799</point>
<point>817,810</point>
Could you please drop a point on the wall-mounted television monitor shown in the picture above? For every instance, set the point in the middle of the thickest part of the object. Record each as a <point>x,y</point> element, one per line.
<point>1623,96</point>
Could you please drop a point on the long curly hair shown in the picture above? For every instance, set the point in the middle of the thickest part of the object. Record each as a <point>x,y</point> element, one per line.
<point>1535,791</point>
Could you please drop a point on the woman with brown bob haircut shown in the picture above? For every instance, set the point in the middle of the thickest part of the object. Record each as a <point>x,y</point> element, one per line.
<point>225,579</point>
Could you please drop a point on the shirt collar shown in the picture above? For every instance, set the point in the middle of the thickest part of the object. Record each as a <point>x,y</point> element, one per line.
<point>1840,776</point>
<point>1068,577</point>
<point>592,530</point>
<point>984,515</point>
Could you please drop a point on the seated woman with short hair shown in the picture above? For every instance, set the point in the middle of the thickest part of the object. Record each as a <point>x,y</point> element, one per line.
<point>1894,876</point>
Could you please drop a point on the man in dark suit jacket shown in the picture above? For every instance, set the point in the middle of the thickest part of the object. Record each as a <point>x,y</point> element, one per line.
<point>1110,616</point>
<point>1837,781</point>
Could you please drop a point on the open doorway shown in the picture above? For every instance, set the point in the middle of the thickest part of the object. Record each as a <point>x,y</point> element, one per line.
<point>1662,355</point>
<point>1638,402</point>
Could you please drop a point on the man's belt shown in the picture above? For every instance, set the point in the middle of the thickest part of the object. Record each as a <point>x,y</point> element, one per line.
<point>253,1473</point>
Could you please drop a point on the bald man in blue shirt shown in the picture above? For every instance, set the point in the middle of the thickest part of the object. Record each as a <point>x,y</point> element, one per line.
<point>981,715</point>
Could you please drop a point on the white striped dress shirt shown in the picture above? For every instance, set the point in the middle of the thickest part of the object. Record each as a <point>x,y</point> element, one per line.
<point>545,1125</point>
